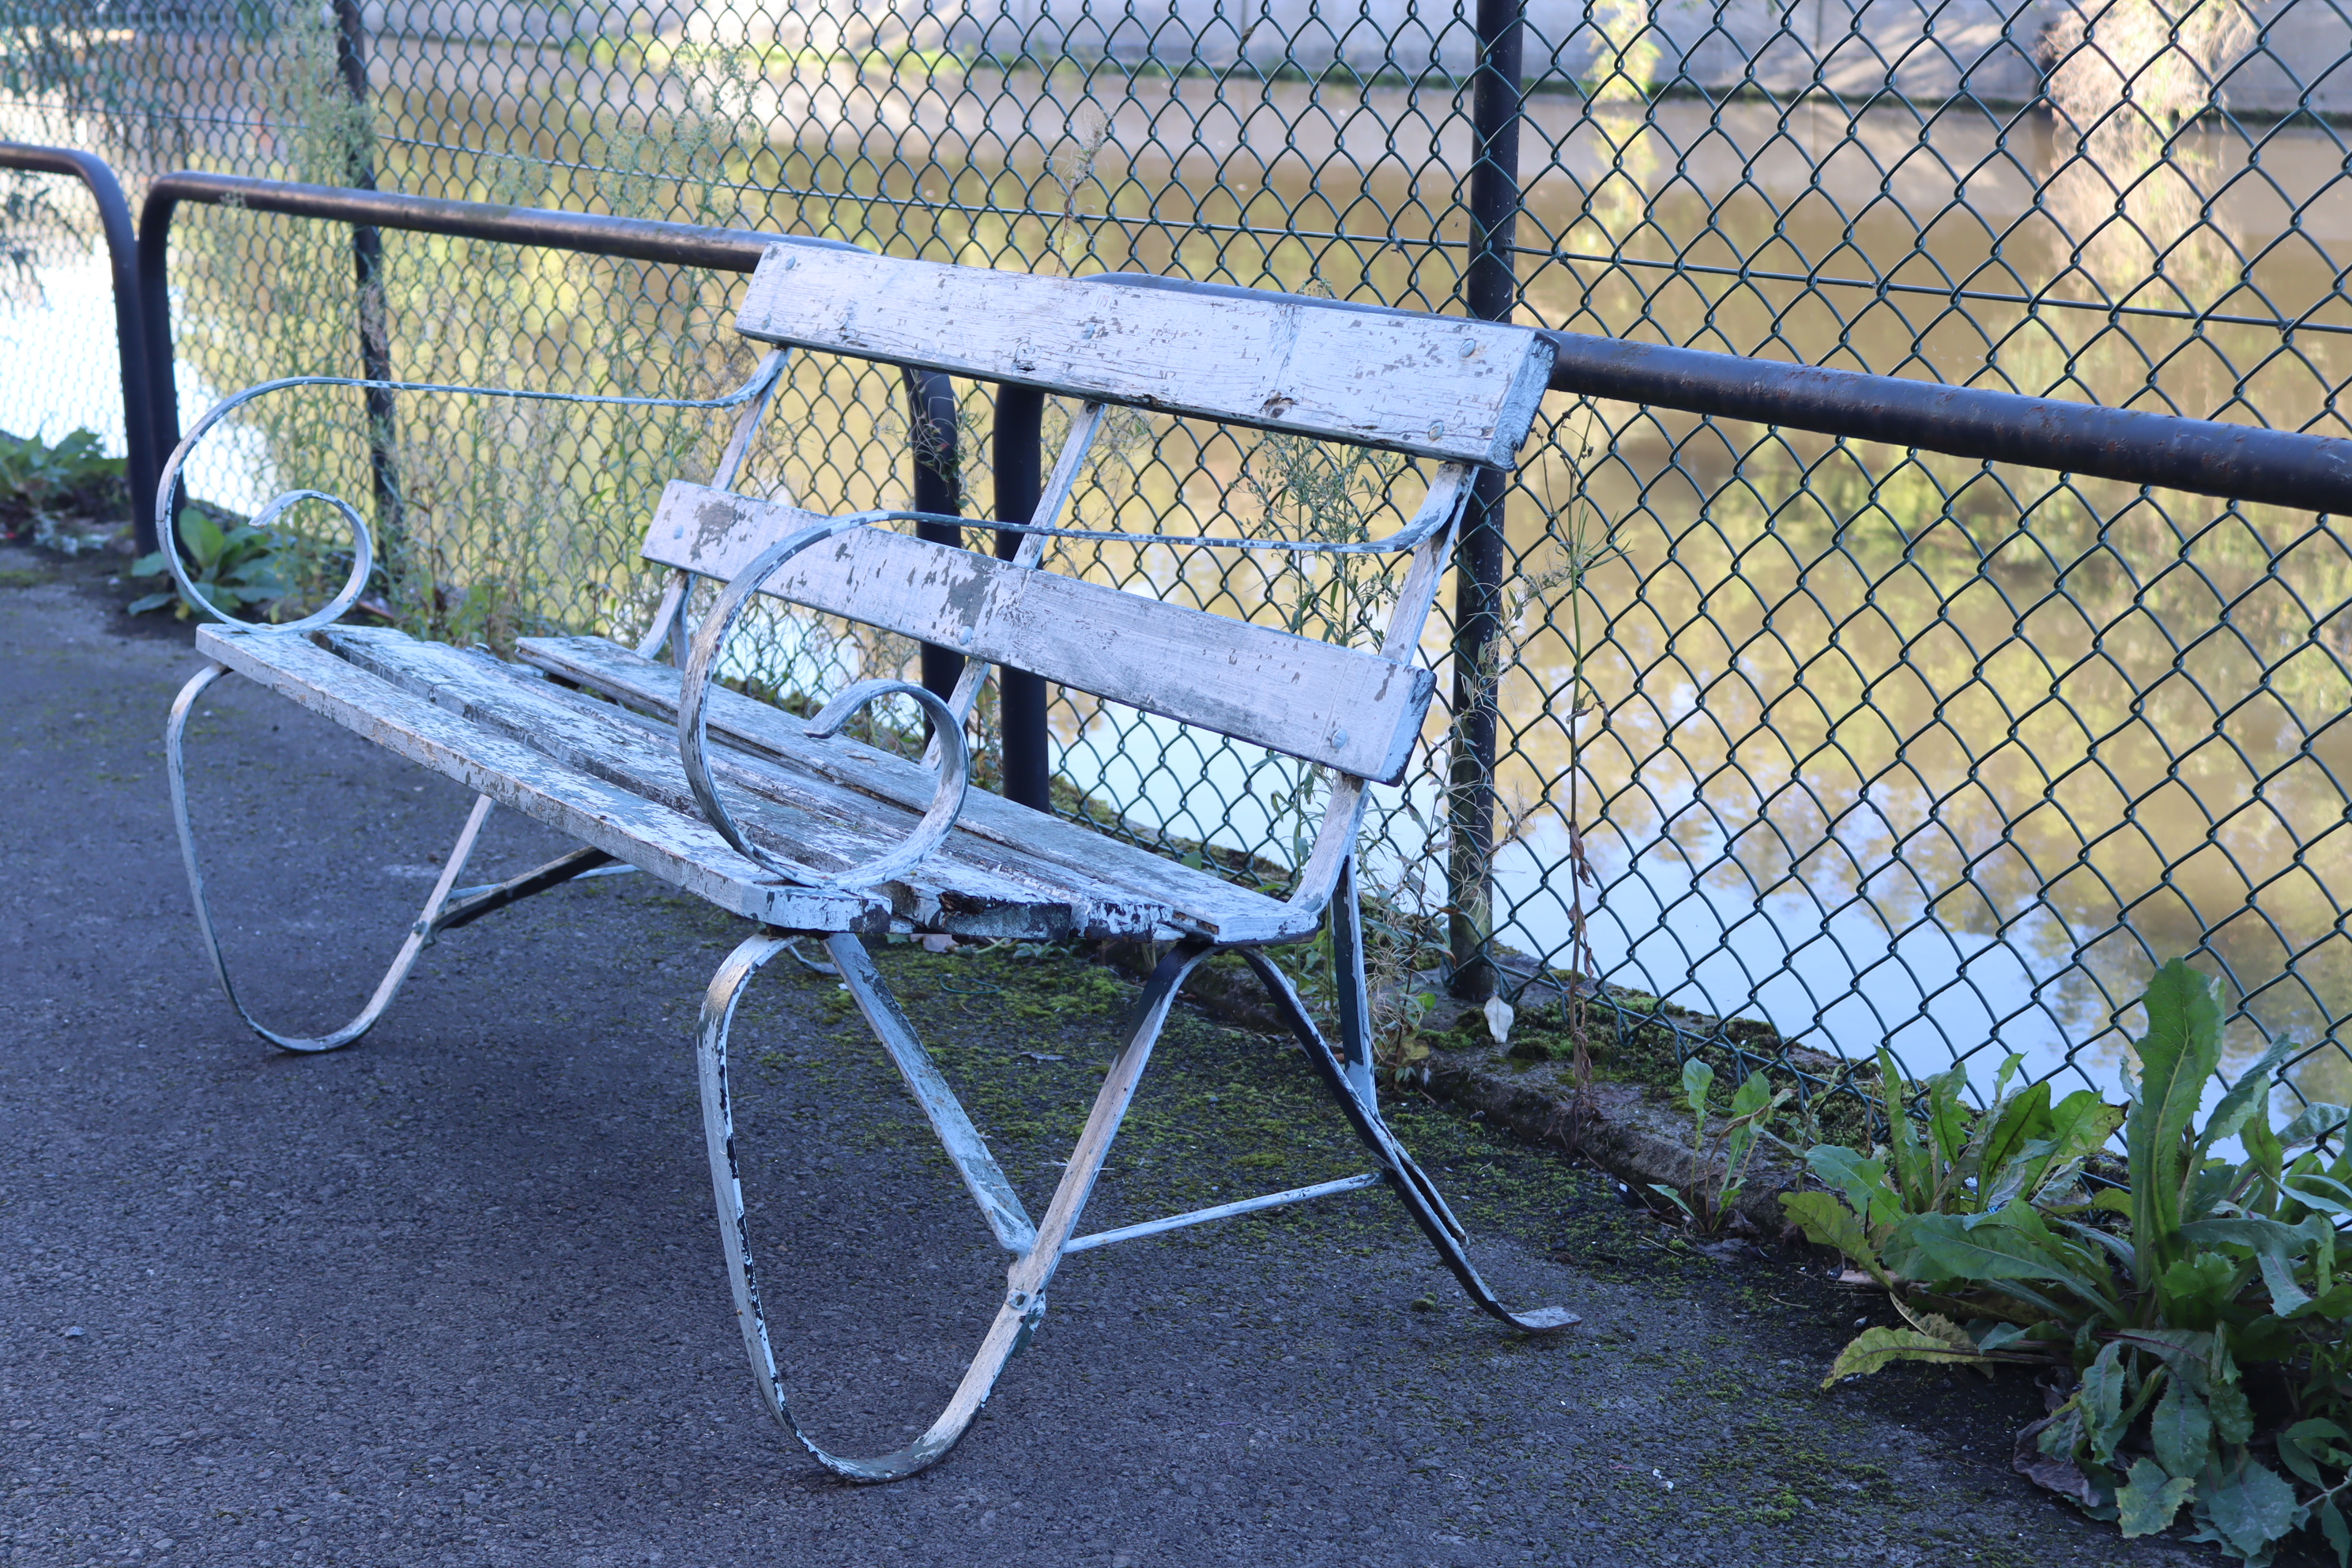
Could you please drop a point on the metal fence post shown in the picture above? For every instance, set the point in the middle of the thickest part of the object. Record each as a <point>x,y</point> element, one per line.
<point>144,464</point>
<point>938,487</point>
<point>1020,696</point>
<point>367,270</point>
<point>1490,289</point>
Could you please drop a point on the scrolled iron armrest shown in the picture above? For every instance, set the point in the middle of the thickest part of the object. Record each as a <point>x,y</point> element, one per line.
<point>693,738</point>
<point>363,544</point>
<point>947,799</point>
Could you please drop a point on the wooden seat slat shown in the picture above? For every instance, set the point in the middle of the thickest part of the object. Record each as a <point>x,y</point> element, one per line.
<point>1342,707</point>
<point>1197,901</point>
<point>969,886</point>
<point>680,850</point>
<point>1438,387</point>
<point>975,884</point>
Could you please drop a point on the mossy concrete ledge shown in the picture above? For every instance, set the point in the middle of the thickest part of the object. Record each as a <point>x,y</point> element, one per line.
<point>1630,1130</point>
<point>1630,1122</point>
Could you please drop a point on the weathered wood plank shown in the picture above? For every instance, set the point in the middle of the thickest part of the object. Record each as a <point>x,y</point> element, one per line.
<point>1439,387</point>
<point>1197,901</point>
<point>1352,710</point>
<point>802,818</point>
<point>677,848</point>
<point>975,884</point>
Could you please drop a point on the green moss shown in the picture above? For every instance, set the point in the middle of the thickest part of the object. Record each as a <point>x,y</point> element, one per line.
<point>1023,1034</point>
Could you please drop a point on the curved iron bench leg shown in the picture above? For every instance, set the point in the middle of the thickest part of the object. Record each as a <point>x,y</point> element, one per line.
<point>1410,1182</point>
<point>1025,1298</point>
<point>175,767</point>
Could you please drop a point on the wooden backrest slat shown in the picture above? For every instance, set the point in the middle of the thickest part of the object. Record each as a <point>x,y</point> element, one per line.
<point>1438,386</point>
<point>1353,711</point>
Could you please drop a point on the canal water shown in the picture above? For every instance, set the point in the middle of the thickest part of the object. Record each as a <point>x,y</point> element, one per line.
<point>1878,747</point>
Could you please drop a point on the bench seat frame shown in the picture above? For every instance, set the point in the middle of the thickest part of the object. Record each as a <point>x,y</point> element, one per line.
<point>717,858</point>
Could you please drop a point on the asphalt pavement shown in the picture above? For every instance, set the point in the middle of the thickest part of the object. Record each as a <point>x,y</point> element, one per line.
<point>453,1295</point>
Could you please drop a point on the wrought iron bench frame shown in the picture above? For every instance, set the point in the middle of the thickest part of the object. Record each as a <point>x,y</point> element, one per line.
<point>1241,357</point>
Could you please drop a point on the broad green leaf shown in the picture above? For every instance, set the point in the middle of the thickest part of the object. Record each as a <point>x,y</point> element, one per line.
<point>2313,1122</point>
<point>2254,1235</point>
<point>201,534</point>
<point>1754,1093</point>
<point>1671,1195</point>
<point>2082,1123</point>
<point>1935,1326</point>
<point>1875,1348</point>
<point>1863,1182</point>
<point>2018,1175</point>
<point>1914,1176</point>
<point>2248,1508</point>
<point>2188,1351</point>
<point>1699,1078</point>
<point>2002,1335</point>
<point>1826,1222</point>
<point>2023,1122</point>
<point>2193,1291</point>
<point>2114,1247</point>
<point>2179,1052</point>
<point>2011,1066</point>
<point>1948,1112</point>
<point>2105,1387</point>
<point>1960,1251</point>
<point>2287,1297</point>
<point>2211,1192</point>
<point>2089,1262</point>
<point>2245,1097</point>
<point>1955,1250</point>
<point>2275,1247</point>
<point>2234,1418</point>
<point>2307,1444</point>
<point>2181,1431</point>
<point>2266,1155</point>
<point>2339,1534</point>
<point>2149,1499</point>
<point>2323,1192</point>
<point>2064,1434</point>
<point>2323,1252</point>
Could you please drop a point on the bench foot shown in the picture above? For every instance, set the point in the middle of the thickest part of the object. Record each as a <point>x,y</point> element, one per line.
<point>419,934</point>
<point>1023,1306</point>
<point>1411,1183</point>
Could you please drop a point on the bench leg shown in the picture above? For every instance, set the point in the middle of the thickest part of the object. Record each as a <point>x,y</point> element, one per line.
<point>1406,1178</point>
<point>419,933</point>
<point>1025,1298</point>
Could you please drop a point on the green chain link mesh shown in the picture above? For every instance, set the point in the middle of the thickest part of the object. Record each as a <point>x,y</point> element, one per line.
<point>1880,746</point>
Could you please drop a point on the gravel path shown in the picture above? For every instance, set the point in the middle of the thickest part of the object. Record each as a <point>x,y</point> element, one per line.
<point>452,1295</point>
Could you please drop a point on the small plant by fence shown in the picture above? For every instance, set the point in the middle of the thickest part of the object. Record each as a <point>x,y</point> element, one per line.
<point>1888,747</point>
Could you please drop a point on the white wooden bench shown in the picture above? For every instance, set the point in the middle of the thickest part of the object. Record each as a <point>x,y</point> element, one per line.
<point>805,833</point>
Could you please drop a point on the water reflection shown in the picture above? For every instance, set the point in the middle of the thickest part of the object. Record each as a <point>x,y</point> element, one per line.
<point>1883,745</point>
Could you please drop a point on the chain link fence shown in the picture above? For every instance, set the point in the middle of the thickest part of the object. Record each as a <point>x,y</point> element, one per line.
<point>1879,746</point>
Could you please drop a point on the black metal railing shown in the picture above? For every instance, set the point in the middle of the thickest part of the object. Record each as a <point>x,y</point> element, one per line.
<point>2241,463</point>
<point>144,459</point>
